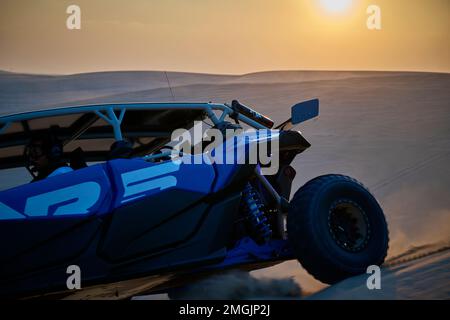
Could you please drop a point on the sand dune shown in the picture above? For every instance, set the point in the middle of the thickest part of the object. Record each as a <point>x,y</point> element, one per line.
<point>423,278</point>
<point>389,130</point>
<point>23,92</point>
<point>419,273</point>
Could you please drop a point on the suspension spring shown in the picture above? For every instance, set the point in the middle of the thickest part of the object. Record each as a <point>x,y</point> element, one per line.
<point>253,210</point>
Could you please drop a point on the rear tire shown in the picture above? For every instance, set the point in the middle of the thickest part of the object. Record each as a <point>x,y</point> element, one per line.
<point>336,228</point>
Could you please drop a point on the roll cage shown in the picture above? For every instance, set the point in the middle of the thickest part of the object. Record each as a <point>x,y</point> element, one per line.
<point>153,121</point>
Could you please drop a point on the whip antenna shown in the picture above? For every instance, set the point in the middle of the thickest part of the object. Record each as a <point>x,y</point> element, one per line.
<point>170,87</point>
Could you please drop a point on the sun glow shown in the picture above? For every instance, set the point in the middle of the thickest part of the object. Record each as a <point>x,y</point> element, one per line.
<point>336,6</point>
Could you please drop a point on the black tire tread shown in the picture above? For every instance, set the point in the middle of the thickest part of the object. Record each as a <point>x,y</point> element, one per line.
<point>307,253</point>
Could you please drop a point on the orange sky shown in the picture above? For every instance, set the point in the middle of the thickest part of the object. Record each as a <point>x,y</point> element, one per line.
<point>222,36</point>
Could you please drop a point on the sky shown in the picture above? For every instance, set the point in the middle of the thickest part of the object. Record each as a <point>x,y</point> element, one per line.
<point>223,36</point>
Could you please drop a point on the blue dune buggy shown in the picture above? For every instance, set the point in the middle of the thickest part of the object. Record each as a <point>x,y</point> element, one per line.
<point>137,221</point>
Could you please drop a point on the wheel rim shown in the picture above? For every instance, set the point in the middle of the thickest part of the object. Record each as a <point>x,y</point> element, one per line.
<point>348,225</point>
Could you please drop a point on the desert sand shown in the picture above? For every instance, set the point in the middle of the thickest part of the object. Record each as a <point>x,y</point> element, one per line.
<point>390,130</point>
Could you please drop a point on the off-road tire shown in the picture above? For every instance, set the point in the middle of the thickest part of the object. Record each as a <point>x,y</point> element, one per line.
<point>310,232</point>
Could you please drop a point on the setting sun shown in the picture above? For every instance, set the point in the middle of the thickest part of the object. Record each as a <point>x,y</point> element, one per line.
<point>336,5</point>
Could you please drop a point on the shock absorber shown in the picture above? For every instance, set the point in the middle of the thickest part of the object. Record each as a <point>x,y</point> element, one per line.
<point>253,210</point>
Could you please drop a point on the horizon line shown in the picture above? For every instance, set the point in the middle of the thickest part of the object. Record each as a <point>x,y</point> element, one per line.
<point>222,74</point>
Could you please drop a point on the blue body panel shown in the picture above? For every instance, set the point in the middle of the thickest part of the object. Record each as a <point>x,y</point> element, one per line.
<point>79,193</point>
<point>136,178</point>
<point>101,188</point>
<point>126,218</point>
<point>248,251</point>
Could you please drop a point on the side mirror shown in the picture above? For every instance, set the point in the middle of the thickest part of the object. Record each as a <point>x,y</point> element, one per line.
<point>301,112</point>
<point>304,111</point>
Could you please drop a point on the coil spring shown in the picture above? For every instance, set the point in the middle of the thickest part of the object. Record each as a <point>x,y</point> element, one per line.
<point>256,215</point>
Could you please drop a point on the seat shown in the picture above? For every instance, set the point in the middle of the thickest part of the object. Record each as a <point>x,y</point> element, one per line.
<point>77,160</point>
<point>120,150</point>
